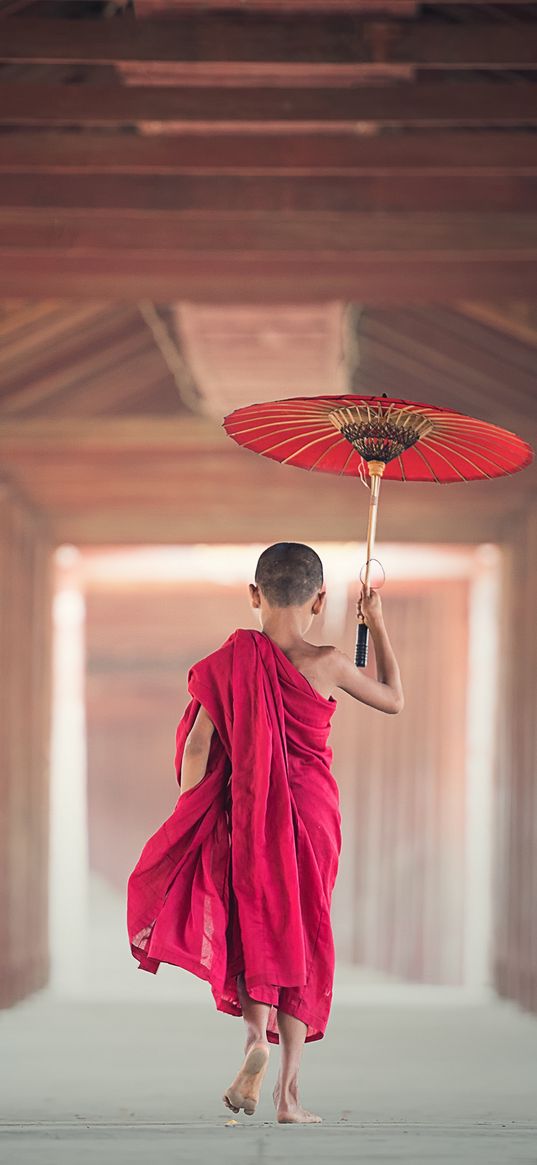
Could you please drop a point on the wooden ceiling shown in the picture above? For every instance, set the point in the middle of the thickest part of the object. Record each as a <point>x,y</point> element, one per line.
<point>205,204</point>
<point>367,151</point>
<point>81,436</point>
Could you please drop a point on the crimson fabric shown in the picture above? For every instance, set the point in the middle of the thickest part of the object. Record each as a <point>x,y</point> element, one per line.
<point>240,876</point>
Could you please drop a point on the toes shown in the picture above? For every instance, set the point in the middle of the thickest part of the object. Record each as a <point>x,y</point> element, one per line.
<point>229,1104</point>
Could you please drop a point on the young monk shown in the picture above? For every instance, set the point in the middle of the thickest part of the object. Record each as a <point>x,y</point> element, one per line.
<point>236,885</point>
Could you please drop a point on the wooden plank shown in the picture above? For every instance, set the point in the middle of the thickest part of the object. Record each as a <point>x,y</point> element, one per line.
<point>431,351</point>
<point>169,9</point>
<point>119,526</point>
<point>182,237</point>
<point>11,7</point>
<point>516,320</point>
<point>423,154</point>
<point>408,913</point>
<point>368,192</point>
<point>26,602</point>
<point>516,834</point>
<point>263,277</point>
<point>134,350</point>
<point>129,432</point>
<point>258,74</point>
<point>220,110</point>
<point>114,496</point>
<point>220,36</point>
<point>103,474</point>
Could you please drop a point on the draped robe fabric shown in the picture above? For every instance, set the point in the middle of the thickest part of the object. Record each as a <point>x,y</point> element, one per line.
<point>240,876</point>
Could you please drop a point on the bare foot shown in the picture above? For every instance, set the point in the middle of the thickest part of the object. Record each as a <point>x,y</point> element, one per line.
<point>244,1092</point>
<point>290,1111</point>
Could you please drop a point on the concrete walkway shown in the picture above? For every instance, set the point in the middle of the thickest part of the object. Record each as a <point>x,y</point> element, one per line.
<point>86,1082</point>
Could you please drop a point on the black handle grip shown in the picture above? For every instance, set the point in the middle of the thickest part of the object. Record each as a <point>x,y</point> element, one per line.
<point>362,636</point>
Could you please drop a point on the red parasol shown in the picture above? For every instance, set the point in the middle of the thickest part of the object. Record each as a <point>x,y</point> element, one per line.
<point>378,436</point>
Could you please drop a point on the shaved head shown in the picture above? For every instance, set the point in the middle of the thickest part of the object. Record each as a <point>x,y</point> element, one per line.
<point>289,573</point>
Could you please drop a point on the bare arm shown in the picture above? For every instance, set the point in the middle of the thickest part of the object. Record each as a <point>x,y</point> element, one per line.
<point>196,750</point>
<point>386,692</point>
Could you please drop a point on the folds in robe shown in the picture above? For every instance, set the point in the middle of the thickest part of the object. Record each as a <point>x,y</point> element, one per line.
<point>240,876</point>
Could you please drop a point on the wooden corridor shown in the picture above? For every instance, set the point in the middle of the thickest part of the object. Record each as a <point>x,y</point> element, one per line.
<point>202,208</point>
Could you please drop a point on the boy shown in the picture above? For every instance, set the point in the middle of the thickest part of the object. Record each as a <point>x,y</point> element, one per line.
<point>236,886</point>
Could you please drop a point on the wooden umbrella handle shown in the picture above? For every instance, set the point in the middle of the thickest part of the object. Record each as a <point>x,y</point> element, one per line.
<point>376,470</point>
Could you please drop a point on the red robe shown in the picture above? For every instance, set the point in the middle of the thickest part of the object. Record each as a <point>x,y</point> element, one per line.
<point>240,876</point>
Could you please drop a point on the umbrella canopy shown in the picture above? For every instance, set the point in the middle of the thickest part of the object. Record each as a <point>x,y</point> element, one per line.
<point>414,441</point>
<point>401,440</point>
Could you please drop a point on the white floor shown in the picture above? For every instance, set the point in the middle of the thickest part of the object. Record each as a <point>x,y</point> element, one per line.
<point>115,1082</point>
<point>113,1065</point>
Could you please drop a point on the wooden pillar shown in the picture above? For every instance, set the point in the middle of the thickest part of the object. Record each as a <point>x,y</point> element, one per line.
<point>403,782</point>
<point>25,644</point>
<point>515,947</point>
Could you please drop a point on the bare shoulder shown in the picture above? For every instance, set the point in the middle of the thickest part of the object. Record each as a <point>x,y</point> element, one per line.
<point>341,661</point>
<point>314,661</point>
<point>326,659</point>
<point>322,653</point>
<point>330,656</point>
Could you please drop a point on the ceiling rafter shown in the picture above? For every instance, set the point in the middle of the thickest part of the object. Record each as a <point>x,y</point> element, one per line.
<point>351,38</point>
<point>173,357</point>
<point>85,358</point>
<point>360,110</point>
<point>455,153</point>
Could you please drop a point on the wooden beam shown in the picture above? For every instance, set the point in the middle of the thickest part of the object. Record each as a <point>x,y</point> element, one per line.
<point>194,235</point>
<point>248,193</point>
<point>490,154</point>
<point>220,110</point>
<point>209,36</point>
<point>394,7</point>
<point>156,479</point>
<point>26,597</point>
<point>464,522</point>
<point>169,9</point>
<point>518,320</point>
<point>296,277</point>
<point>259,74</point>
<point>12,7</point>
<point>467,3</point>
<point>109,495</point>
<point>187,432</point>
<point>145,432</point>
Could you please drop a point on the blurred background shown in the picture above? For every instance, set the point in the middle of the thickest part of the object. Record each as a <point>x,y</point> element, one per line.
<point>203,206</point>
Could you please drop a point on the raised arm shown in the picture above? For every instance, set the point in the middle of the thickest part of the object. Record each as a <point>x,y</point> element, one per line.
<point>196,750</point>
<point>386,692</point>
